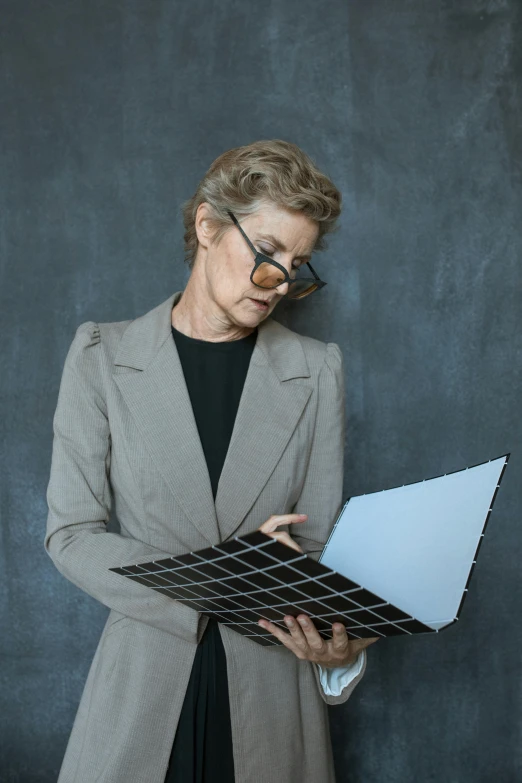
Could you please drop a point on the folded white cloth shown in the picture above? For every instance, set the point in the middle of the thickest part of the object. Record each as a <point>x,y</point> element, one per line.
<point>334,680</point>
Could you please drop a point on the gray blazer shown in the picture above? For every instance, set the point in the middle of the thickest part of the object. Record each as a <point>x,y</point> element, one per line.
<point>126,441</point>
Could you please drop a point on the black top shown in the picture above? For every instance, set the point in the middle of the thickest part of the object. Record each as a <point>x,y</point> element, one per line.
<point>215,375</point>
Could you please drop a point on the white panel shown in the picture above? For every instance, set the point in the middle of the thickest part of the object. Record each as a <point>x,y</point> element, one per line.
<point>414,545</point>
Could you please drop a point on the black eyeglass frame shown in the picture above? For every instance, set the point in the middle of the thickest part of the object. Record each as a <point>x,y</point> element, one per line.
<point>260,259</point>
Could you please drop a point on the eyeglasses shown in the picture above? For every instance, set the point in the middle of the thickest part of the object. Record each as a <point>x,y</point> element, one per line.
<point>267,273</point>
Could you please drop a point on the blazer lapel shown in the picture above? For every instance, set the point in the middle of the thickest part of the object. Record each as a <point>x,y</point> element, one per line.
<point>149,375</point>
<point>271,404</point>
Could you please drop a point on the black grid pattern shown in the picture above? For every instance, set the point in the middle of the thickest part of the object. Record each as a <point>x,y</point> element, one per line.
<point>255,576</point>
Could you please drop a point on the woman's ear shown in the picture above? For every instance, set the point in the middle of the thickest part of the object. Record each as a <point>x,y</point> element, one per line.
<point>203,224</point>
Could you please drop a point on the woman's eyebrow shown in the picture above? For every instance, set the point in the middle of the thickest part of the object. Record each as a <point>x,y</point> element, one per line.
<point>280,246</point>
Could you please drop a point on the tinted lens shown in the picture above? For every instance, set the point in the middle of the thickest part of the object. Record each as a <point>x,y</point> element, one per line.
<point>269,276</point>
<point>300,288</point>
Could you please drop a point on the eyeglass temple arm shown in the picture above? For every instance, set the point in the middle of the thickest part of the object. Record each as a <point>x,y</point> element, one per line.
<point>251,246</point>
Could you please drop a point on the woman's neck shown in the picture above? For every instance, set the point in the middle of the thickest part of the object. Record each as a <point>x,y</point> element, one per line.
<point>193,323</point>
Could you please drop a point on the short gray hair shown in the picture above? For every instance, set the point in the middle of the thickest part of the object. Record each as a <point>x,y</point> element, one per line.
<point>245,178</point>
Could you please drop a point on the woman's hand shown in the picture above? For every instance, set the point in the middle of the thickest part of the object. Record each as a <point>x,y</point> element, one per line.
<point>275,520</point>
<point>305,642</point>
<point>303,639</point>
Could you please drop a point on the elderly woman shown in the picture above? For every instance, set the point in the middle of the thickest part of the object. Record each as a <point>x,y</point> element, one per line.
<point>201,420</point>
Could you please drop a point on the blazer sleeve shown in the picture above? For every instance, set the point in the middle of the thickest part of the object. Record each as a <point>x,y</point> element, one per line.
<point>79,499</point>
<point>322,493</point>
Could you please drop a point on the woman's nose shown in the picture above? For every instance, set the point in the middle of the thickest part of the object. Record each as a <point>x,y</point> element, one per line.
<point>282,289</point>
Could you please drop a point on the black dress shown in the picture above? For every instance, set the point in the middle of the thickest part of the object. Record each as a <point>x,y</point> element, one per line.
<point>202,749</point>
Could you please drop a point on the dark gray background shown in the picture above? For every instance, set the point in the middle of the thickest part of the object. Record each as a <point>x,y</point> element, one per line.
<point>111,113</point>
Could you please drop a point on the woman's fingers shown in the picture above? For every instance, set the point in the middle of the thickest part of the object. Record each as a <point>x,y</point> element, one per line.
<point>278,632</point>
<point>311,635</point>
<point>284,538</point>
<point>340,640</point>
<point>296,633</point>
<point>275,520</point>
<point>303,638</point>
<point>341,643</point>
<point>306,643</point>
<point>273,523</point>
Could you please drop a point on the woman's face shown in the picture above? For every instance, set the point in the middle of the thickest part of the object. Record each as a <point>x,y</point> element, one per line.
<point>227,267</point>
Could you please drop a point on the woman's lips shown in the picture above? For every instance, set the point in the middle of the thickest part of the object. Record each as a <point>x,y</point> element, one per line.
<point>258,304</point>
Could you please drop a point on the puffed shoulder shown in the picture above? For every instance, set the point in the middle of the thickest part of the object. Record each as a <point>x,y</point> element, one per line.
<point>83,347</point>
<point>333,361</point>
<point>333,356</point>
<point>331,377</point>
<point>88,333</point>
<point>84,365</point>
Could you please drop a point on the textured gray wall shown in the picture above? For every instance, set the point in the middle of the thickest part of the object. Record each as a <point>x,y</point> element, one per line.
<point>111,112</point>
